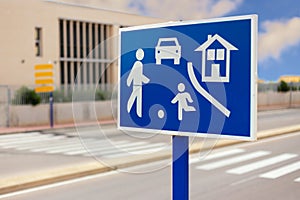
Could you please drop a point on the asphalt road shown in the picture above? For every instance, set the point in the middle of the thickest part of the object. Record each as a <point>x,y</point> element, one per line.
<point>36,151</point>
<point>277,118</point>
<point>267,169</point>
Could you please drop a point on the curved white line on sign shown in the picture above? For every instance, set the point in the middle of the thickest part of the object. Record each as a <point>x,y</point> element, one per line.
<point>204,93</point>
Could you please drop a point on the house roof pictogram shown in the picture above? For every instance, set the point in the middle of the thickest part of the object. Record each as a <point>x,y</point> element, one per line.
<point>214,38</point>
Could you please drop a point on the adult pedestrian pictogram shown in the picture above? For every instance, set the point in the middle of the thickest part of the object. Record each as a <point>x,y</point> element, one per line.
<point>137,78</point>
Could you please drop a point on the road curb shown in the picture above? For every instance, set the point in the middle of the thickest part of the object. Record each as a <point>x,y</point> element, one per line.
<point>16,130</point>
<point>47,177</point>
<point>14,184</point>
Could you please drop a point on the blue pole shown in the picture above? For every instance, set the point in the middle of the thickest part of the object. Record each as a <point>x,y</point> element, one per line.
<point>180,168</point>
<point>51,109</point>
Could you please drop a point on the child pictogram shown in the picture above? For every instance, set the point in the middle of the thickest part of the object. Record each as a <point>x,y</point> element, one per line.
<point>183,98</point>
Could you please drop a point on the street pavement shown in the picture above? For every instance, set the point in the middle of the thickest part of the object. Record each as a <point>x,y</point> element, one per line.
<point>37,142</point>
<point>277,118</point>
<point>267,169</point>
<point>35,153</point>
<point>110,142</point>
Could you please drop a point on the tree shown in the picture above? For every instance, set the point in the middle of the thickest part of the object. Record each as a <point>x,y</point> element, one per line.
<point>283,87</point>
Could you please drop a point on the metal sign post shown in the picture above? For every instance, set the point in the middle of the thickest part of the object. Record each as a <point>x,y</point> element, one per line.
<point>193,78</point>
<point>180,168</point>
<point>51,109</point>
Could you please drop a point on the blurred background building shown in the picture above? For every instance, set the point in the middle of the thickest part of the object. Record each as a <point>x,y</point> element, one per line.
<point>82,44</point>
<point>289,79</point>
<point>72,37</point>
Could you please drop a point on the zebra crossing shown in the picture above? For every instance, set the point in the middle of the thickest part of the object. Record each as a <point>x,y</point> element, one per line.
<point>36,142</point>
<point>247,162</point>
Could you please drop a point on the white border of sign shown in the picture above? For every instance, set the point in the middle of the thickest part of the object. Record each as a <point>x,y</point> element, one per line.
<point>253,106</point>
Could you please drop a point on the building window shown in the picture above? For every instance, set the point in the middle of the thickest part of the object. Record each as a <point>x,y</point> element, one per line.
<point>38,41</point>
<point>83,50</point>
<point>62,72</point>
<point>61,38</point>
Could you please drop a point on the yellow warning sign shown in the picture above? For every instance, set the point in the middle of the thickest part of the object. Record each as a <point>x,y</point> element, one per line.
<point>44,78</point>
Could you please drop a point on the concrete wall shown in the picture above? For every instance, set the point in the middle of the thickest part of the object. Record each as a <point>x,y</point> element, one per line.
<point>3,115</point>
<point>271,100</point>
<point>26,115</point>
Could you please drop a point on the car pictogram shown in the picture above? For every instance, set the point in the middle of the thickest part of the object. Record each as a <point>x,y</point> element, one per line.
<point>168,48</point>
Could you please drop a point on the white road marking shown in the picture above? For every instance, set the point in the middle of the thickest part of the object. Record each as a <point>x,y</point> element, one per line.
<point>297,180</point>
<point>233,160</point>
<point>282,171</point>
<point>31,142</point>
<point>69,144</point>
<point>74,146</point>
<point>217,155</point>
<point>17,135</point>
<point>89,147</point>
<point>61,144</point>
<point>59,184</point>
<point>82,179</point>
<point>260,164</point>
<point>117,148</point>
<point>141,150</point>
<point>146,151</point>
<point>23,139</point>
<point>58,140</point>
<point>78,146</point>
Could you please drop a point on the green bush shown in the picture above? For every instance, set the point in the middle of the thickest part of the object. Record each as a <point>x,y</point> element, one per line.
<point>294,88</point>
<point>101,95</point>
<point>58,96</point>
<point>25,95</point>
<point>283,87</point>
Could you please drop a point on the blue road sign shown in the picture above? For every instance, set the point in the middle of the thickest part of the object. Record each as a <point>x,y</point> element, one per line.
<point>195,78</point>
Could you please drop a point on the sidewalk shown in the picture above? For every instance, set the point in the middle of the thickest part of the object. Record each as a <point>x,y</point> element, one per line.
<point>56,126</point>
<point>78,168</point>
<point>276,107</point>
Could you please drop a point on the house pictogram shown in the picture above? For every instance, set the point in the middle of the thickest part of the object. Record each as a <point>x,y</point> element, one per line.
<point>216,59</point>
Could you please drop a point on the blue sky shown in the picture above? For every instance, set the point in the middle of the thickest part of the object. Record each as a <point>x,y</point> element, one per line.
<point>280,12</point>
<point>279,24</point>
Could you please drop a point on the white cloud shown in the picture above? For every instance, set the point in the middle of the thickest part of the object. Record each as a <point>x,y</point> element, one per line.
<point>277,37</point>
<point>169,9</point>
<point>117,5</point>
<point>192,9</point>
<point>224,7</point>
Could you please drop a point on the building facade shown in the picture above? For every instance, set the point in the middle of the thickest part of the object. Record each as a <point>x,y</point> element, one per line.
<point>81,42</point>
<point>289,79</point>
